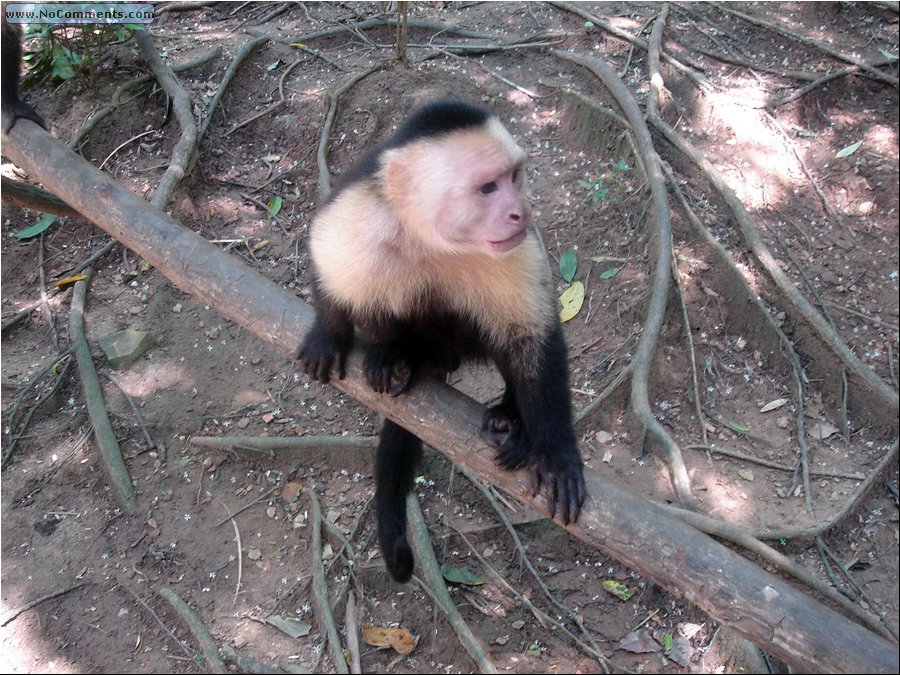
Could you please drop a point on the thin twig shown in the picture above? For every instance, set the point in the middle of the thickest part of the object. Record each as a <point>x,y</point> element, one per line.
<point>770,464</point>
<point>270,108</point>
<point>134,409</point>
<point>826,553</point>
<point>689,338</point>
<point>544,619</point>
<point>42,292</point>
<point>240,555</point>
<point>263,496</point>
<point>123,144</point>
<point>851,502</point>
<point>751,543</point>
<point>12,616</point>
<point>14,410</point>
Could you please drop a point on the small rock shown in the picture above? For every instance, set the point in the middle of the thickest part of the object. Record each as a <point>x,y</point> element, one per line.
<point>124,347</point>
<point>865,208</point>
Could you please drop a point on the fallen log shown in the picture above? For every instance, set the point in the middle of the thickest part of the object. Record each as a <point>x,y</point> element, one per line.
<point>782,620</point>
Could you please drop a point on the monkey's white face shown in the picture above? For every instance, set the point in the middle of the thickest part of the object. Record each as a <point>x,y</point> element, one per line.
<point>462,192</point>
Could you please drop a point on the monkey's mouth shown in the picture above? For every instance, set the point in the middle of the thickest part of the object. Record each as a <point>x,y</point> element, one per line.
<point>508,244</point>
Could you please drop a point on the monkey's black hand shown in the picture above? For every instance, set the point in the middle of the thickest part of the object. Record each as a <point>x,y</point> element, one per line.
<point>16,110</point>
<point>560,474</point>
<point>555,470</point>
<point>386,370</point>
<point>319,354</point>
<point>497,425</point>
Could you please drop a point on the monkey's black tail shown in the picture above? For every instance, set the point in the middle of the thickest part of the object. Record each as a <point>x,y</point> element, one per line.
<point>395,468</point>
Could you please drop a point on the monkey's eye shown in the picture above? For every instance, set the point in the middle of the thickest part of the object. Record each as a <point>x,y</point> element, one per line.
<point>488,188</point>
<point>515,176</point>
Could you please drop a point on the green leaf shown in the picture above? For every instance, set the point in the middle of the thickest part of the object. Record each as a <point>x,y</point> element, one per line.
<point>274,206</point>
<point>849,150</point>
<point>45,221</point>
<point>62,64</point>
<point>668,642</point>
<point>740,428</point>
<point>618,589</point>
<point>622,165</point>
<point>610,273</point>
<point>457,576</point>
<point>572,299</point>
<point>568,263</point>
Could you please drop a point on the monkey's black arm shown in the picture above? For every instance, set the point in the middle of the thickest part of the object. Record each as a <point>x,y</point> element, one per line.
<point>537,409</point>
<point>13,107</point>
<point>329,340</point>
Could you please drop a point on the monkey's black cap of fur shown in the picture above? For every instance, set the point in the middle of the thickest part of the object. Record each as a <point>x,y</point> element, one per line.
<point>440,117</point>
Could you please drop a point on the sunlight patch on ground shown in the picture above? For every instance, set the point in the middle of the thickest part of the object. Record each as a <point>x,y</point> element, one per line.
<point>156,377</point>
<point>760,168</point>
<point>23,651</point>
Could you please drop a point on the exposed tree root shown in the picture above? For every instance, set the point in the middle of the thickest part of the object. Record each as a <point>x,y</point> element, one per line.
<point>865,67</point>
<point>236,62</point>
<point>207,644</point>
<point>186,147</point>
<point>331,104</point>
<point>433,584</point>
<point>110,452</point>
<point>320,586</point>
<point>644,353</point>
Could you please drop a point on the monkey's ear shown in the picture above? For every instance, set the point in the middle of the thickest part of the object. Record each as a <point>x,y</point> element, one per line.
<point>397,176</point>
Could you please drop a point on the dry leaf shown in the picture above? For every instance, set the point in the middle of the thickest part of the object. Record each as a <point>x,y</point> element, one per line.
<point>399,639</point>
<point>773,405</point>
<point>823,430</point>
<point>571,300</point>
<point>639,642</point>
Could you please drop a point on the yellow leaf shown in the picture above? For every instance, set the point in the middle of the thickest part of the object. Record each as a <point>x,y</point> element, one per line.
<point>65,281</point>
<point>262,244</point>
<point>399,639</point>
<point>571,299</point>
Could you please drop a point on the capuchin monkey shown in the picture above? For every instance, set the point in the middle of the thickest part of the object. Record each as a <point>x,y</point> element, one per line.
<point>425,247</point>
<point>10,64</point>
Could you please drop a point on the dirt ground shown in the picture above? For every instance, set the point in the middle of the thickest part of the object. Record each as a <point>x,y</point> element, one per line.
<point>827,210</point>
